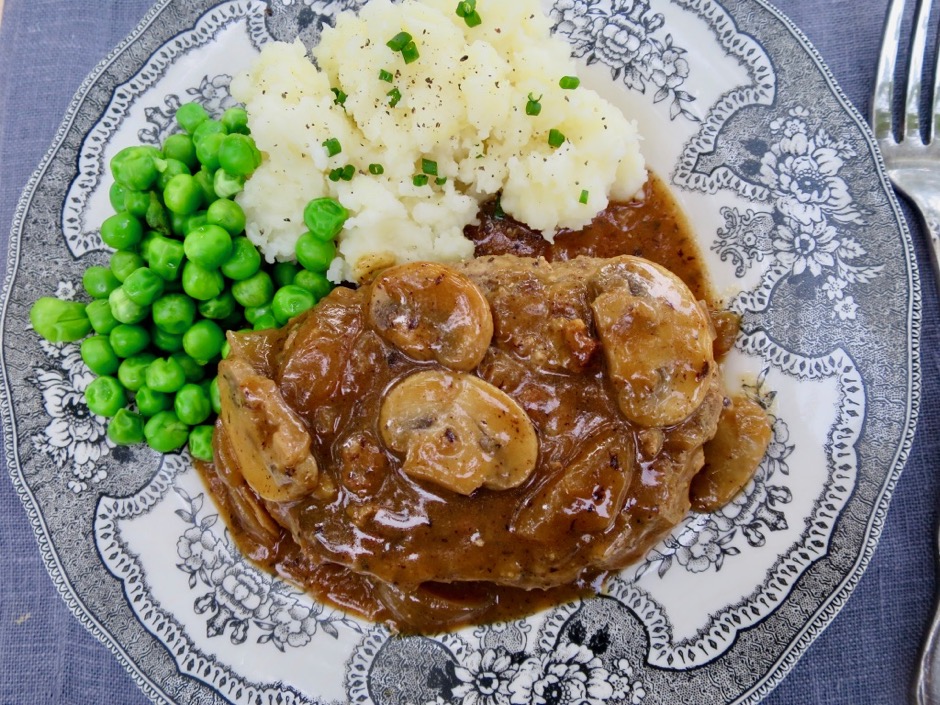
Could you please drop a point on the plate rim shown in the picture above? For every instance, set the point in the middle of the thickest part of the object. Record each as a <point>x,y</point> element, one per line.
<point>805,636</point>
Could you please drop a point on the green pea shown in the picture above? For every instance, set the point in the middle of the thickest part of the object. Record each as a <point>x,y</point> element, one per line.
<point>192,405</point>
<point>227,214</point>
<point>290,301</point>
<point>314,282</point>
<point>209,246</point>
<point>144,286</point>
<point>207,129</point>
<point>200,443</point>
<point>194,370</point>
<point>181,148</point>
<point>116,195</point>
<point>313,254</point>
<point>207,150</point>
<point>167,342</point>
<point>196,221</point>
<point>253,313</point>
<point>136,203</point>
<point>150,402</point>
<point>121,231</point>
<point>284,273</point>
<point>236,120</point>
<point>105,396</point>
<point>165,375</point>
<point>98,355</point>
<point>324,218</point>
<point>124,309</point>
<point>99,282</point>
<point>227,185</point>
<point>132,372</point>
<point>237,155</point>
<point>165,432</point>
<point>169,169</point>
<point>135,167</point>
<point>174,313</point>
<point>265,322</point>
<point>201,283</point>
<point>204,178</point>
<point>204,340</point>
<point>128,340</point>
<point>215,397</point>
<point>126,428</point>
<point>59,321</point>
<point>256,290</point>
<point>100,316</point>
<point>226,349</point>
<point>218,307</point>
<point>182,194</point>
<point>190,115</point>
<point>145,243</point>
<point>244,261</point>
<point>166,258</point>
<point>124,262</point>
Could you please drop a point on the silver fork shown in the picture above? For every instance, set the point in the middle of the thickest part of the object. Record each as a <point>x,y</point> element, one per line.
<point>913,163</point>
<point>914,168</point>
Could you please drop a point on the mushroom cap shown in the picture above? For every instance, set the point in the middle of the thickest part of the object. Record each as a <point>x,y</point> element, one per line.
<point>657,340</point>
<point>458,431</point>
<point>432,312</point>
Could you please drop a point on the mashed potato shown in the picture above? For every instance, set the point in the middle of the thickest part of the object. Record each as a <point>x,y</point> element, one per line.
<point>462,106</point>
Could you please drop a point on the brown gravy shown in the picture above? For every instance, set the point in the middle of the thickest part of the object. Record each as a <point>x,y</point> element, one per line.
<point>653,228</point>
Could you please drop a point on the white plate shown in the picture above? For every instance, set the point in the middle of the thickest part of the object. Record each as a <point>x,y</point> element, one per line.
<point>780,179</point>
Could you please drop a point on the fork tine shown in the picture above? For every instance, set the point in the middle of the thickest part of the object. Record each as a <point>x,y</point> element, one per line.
<point>881,114</point>
<point>916,72</point>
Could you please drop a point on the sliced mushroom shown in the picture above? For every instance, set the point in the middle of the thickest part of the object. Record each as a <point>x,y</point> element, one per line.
<point>267,438</point>
<point>431,312</point>
<point>657,341</point>
<point>733,455</point>
<point>587,496</point>
<point>459,432</point>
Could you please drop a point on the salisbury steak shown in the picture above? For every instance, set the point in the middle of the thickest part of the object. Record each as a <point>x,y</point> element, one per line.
<point>507,421</point>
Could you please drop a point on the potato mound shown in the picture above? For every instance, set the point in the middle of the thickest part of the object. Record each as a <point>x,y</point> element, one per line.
<point>463,106</point>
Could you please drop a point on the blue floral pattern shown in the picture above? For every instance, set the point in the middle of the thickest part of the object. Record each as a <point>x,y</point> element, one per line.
<point>623,36</point>
<point>242,599</point>
<point>804,231</point>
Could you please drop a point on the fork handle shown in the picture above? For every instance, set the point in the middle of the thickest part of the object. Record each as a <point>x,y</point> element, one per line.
<point>927,683</point>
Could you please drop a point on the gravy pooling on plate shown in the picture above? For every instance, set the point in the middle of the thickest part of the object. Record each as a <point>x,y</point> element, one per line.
<point>421,458</point>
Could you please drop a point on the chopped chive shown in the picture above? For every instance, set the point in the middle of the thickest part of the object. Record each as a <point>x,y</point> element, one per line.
<point>429,167</point>
<point>376,169</point>
<point>584,197</point>
<point>533,107</point>
<point>498,211</point>
<point>385,76</point>
<point>398,42</point>
<point>420,180</point>
<point>336,174</point>
<point>340,96</point>
<point>569,83</point>
<point>410,52</point>
<point>467,7</point>
<point>473,19</point>
<point>395,96</point>
<point>347,172</point>
<point>440,180</point>
<point>556,138</point>
<point>333,147</point>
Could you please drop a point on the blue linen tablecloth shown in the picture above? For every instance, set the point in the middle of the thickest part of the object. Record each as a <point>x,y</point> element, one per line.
<point>866,656</point>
